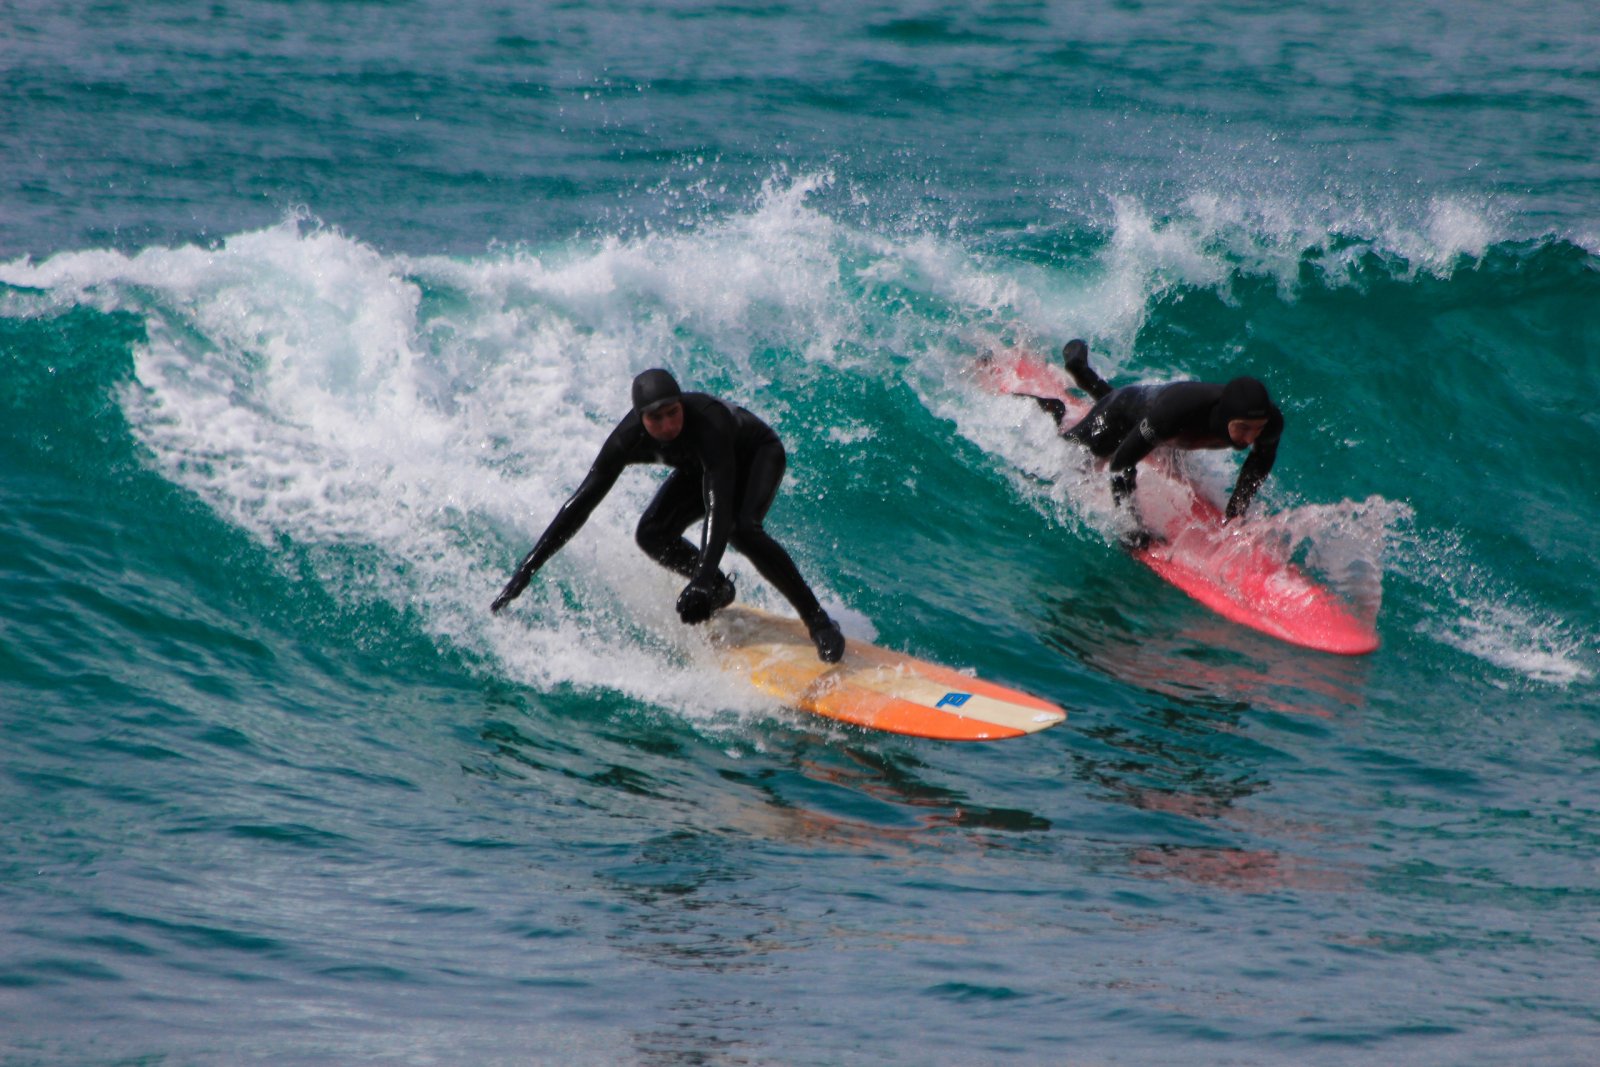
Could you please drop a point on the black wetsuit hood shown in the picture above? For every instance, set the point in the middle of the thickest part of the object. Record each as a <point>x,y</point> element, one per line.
<point>1242,398</point>
<point>653,389</point>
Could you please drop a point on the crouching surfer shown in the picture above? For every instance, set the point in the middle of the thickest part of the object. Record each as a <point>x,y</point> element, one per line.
<point>726,466</point>
<point>1125,425</point>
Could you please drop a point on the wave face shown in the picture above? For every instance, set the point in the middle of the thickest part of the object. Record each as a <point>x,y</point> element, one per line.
<point>288,390</point>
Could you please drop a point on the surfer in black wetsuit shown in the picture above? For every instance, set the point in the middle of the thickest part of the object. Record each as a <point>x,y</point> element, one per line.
<point>1126,424</point>
<point>726,467</point>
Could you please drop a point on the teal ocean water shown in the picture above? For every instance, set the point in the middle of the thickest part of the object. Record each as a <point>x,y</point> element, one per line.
<point>312,313</point>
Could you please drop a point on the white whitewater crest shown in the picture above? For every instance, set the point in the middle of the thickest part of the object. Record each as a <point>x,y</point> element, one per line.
<point>431,414</point>
<point>1346,544</point>
<point>1516,640</point>
<point>1493,623</point>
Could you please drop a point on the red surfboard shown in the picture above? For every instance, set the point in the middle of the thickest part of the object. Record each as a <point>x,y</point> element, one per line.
<point>1235,575</point>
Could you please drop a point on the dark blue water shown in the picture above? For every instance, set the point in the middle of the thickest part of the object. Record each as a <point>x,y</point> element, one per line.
<point>311,314</point>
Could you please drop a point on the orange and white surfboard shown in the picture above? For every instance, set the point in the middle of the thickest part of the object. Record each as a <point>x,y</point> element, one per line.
<point>871,686</point>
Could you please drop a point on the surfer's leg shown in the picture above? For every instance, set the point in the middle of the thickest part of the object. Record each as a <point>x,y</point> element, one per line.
<point>660,533</point>
<point>1090,431</point>
<point>1108,422</point>
<point>677,504</point>
<point>758,488</point>
<point>1076,357</point>
<point>1056,409</point>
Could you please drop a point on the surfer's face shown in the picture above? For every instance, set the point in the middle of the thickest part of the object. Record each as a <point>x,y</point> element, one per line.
<point>664,423</point>
<point>1243,432</point>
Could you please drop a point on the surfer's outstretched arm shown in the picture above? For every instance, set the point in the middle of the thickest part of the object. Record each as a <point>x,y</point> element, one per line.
<point>568,521</point>
<point>1124,463</point>
<point>1251,475</point>
<point>1135,446</point>
<point>519,581</point>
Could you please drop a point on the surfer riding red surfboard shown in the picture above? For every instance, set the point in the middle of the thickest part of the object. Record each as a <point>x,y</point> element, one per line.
<point>1181,534</point>
<point>726,468</point>
<point>1127,424</point>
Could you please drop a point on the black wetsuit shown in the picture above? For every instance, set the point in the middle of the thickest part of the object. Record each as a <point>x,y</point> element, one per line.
<point>726,464</point>
<point>1126,424</point>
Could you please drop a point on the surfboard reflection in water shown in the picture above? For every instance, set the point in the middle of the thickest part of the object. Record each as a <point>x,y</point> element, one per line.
<point>1201,659</point>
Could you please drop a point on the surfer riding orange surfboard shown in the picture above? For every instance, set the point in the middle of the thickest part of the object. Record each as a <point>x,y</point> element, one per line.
<point>726,465</point>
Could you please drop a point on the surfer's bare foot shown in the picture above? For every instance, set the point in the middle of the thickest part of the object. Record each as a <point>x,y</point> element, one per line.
<point>825,634</point>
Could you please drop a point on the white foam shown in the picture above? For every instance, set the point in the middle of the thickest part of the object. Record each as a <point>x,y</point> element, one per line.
<point>1211,234</point>
<point>1052,477</point>
<point>427,416</point>
<point>1494,624</point>
<point>1513,639</point>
